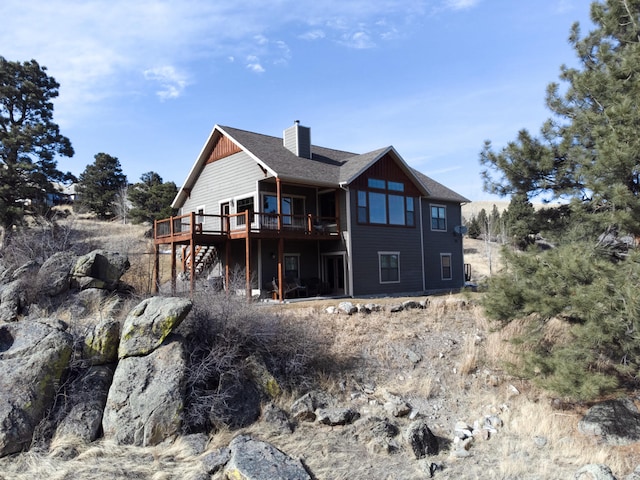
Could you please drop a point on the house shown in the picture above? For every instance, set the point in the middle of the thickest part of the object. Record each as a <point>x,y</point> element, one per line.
<point>300,219</point>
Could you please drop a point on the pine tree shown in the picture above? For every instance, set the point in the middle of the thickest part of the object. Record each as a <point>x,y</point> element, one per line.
<point>100,184</point>
<point>587,156</point>
<point>29,139</point>
<point>151,198</point>
<point>521,221</point>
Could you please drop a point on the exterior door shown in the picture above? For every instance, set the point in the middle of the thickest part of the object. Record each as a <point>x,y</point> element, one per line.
<point>224,211</point>
<point>333,274</point>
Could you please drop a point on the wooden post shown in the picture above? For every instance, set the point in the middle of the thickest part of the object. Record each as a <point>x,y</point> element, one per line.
<point>227,260</point>
<point>338,209</point>
<point>281,269</point>
<point>192,266</point>
<point>247,260</point>
<point>156,269</point>
<point>173,268</point>
<point>279,199</point>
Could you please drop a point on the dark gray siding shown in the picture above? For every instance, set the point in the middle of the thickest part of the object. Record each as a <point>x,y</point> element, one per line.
<point>368,240</point>
<point>437,243</point>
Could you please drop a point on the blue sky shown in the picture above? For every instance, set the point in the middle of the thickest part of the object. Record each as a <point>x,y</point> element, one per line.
<point>147,80</point>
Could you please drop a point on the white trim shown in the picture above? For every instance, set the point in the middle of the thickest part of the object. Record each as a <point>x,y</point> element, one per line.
<point>424,280</point>
<point>346,237</point>
<point>442,277</point>
<point>380,254</point>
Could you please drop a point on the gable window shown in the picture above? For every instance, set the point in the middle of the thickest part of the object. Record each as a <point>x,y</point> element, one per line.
<point>445,266</point>
<point>384,204</point>
<point>439,218</point>
<point>389,264</point>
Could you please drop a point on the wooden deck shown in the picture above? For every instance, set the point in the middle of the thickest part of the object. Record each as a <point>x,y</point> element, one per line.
<point>208,229</point>
<point>194,231</point>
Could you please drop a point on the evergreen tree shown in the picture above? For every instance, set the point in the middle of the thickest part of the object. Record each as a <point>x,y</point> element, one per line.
<point>29,139</point>
<point>588,154</point>
<point>100,184</point>
<point>151,198</point>
<point>473,227</point>
<point>520,220</point>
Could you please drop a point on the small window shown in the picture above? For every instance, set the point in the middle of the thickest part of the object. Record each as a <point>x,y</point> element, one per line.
<point>445,265</point>
<point>362,207</point>
<point>439,218</point>
<point>411,212</point>
<point>292,266</point>
<point>395,186</point>
<point>389,263</point>
<point>377,183</point>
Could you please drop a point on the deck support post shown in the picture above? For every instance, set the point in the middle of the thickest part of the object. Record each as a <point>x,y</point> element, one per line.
<point>227,262</point>
<point>281,269</point>
<point>156,269</point>
<point>247,261</point>
<point>173,268</point>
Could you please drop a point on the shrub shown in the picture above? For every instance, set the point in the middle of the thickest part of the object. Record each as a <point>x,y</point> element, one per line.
<point>221,332</point>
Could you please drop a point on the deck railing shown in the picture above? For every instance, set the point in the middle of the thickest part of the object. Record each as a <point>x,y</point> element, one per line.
<point>249,222</point>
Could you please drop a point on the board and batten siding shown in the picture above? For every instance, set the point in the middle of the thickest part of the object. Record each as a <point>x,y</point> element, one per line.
<point>442,242</point>
<point>232,177</point>
<point>368,240</point>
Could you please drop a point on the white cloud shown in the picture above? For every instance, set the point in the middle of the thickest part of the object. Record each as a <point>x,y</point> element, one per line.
<point>253,64</point>
<point>172,82</point>
<point>313,35</point>
<point>358,40</point>
<point>461,4</point>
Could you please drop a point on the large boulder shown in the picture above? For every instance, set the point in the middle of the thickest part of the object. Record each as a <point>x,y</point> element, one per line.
<point>150,322</point>
<point>99,269</point>
<point>33,358</point>
<point>616,421</point>
<point>257,460</point>
<point>53,276</point>
<point>84,407</point>
<point>12,300</point>
<point>100,345</point>
<point>145,401</point>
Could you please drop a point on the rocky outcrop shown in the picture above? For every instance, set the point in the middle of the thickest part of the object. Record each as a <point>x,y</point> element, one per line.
<point>33,358</point>
<point>12,300</point>
<point>594,471</point>
<point>149,323</point>
<point>421,439</point>
<point>616,421</point>
<point>99,269</point>
<point>54,275</point>
<point>145,401</point>
<point>100,343</point>
<point>84,407</point>
<point>252,459</point>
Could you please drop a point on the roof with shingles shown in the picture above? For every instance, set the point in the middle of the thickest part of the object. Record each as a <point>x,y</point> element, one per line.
<point>327,166</point>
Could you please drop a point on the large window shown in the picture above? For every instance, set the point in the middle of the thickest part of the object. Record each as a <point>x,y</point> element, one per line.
<point>389,263</point>
<point>439,218</point>
<point>384,204</point>
<point>292,208</point>
<point>445,266</point>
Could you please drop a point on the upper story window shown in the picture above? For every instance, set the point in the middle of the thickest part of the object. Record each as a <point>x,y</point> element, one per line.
<point>384,204</point>
<point>439,218</point>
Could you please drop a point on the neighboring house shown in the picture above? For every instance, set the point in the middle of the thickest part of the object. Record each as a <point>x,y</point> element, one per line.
<point>299,219</point>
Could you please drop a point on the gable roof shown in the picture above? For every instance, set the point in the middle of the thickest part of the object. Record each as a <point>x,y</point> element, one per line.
<point>326,167</point>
